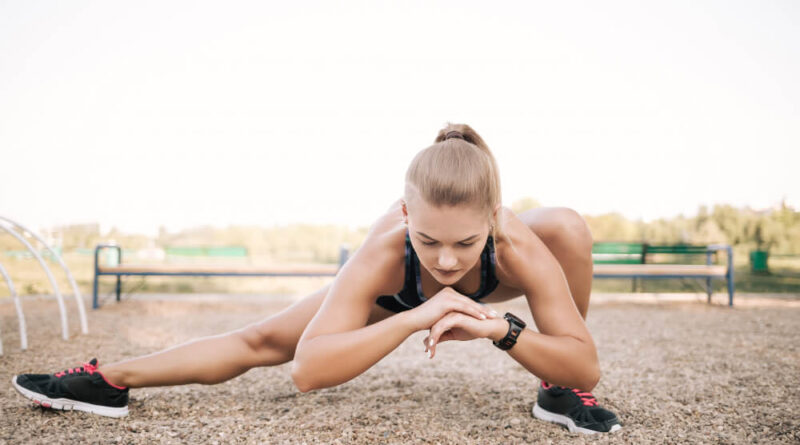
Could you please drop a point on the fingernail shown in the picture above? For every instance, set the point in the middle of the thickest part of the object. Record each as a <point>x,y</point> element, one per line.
<point>430,342</point>
<point>494,313</point>
<point>483,317</point>
<point>430,354</point>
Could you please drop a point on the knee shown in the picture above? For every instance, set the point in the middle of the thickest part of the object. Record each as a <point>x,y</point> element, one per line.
<point>264,341</point>
<point>572,232</point>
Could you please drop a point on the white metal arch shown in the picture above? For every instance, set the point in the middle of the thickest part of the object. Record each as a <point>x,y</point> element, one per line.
<point>61,308</point>
<point>23,331</point>
<point>78,297</point>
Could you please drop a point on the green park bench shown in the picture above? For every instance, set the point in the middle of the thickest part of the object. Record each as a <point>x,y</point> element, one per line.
<point>643,260</point>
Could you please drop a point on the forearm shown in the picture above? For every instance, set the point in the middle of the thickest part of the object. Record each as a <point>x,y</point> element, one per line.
<point>332,359</point>
<point>563,360</point>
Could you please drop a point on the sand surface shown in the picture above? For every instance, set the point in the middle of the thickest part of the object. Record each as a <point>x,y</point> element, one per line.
<point>673,371</point>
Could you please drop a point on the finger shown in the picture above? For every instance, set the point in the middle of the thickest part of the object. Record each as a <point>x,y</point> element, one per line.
<point>476,309</point>
<point>440,327</point>
<point>446,336</point>
<point>492,313</point>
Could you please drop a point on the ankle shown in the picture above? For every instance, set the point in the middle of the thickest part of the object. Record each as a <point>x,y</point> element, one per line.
<point>114,377</point>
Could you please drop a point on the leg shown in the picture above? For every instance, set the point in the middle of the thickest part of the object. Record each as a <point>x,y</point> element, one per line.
<point>219,358</point>
<point>567,236</point>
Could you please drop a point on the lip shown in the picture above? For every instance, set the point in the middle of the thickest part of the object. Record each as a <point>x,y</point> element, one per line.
<point>447,273</point>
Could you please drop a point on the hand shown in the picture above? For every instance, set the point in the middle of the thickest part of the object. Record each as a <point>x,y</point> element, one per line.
<point>457,326</point>
<point>445,301</point>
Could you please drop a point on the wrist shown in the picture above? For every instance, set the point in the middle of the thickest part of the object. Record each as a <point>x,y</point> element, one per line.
<point>499,329</point>
<point>407,321</point>
<point>515,328</point>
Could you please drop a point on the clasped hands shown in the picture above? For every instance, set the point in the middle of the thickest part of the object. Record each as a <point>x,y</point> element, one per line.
<point>449,315</point>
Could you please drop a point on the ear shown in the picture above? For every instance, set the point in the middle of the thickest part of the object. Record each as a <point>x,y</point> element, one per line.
<point>496,210</point>
<point>405,212</point>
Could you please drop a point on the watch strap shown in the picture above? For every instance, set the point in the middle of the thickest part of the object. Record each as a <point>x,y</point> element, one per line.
<point>515,327</point>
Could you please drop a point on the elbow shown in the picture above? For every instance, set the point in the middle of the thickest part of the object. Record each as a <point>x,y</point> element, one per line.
<point>301,378</point>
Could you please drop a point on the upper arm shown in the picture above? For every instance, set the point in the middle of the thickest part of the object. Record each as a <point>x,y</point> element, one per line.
<point>531,266</point>
<point>357,285</point>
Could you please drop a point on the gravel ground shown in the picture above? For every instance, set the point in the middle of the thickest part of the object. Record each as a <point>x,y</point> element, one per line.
<point>674,372</point>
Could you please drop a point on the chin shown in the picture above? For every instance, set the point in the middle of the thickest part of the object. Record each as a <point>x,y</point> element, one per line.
<point>447,281</point>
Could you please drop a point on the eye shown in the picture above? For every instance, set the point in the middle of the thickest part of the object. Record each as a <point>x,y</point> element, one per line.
<point>429,243</point>
<point>466,244</point>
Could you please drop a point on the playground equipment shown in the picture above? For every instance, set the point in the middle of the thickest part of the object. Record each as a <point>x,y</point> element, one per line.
<point>23,332</point>
<point>10,226</point>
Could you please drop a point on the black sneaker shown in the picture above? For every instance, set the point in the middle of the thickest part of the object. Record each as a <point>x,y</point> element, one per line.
<point>83,388</point>
<point>575,409</point>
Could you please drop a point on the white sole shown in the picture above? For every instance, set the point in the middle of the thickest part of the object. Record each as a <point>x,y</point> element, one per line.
<point>542,414</point>
<point>68,404</point>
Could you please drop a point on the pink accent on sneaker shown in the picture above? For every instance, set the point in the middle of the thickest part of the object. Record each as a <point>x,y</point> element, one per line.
<point>86,367</point>
<point>115,386</point>
<point>586,397</point>
<point>546,385</point>
<point>91,369</point>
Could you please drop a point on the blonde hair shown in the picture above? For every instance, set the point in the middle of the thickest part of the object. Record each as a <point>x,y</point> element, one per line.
<point>457,169</point>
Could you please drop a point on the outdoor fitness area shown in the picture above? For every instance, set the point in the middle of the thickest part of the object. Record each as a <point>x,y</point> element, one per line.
<point>675,370</point>
<point>358,223</point>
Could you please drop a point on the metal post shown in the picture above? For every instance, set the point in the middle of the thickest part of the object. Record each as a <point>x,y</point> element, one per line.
<point>119,277</point>
<point>119,286</point>
<point>95,287</point>
<point>344,251</point>
<point>709,289</point>
<point>95,302</point>
<point>23,331</point>
<point>730,275</point>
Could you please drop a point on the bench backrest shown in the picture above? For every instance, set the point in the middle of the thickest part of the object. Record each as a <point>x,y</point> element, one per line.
<point>678,253</point>
<point>617,253</point>
<point>226,251</point>
<point>641,253</point>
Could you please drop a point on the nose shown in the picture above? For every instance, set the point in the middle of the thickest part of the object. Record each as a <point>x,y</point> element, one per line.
<point>447,260</point>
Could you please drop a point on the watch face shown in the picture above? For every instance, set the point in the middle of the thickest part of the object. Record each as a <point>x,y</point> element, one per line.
<point>511,317</point>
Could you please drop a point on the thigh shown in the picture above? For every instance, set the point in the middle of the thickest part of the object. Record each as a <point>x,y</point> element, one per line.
<point>546,223</point>
<point>283,330</point>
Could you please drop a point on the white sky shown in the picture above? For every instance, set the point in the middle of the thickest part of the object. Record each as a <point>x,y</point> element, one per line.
<point>140,114</point>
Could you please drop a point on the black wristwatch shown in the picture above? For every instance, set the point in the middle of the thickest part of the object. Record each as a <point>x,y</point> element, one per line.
<point>515,326</point>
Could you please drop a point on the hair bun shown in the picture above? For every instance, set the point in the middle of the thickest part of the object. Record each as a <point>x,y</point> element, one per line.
<point>454,134</point>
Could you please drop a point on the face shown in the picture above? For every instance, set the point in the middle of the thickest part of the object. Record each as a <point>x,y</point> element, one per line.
<point>448,240</point>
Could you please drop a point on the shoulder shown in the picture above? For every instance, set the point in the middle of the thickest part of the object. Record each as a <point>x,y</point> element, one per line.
<point>518,249</point>
<point>387,234</point>
<point>382,254</point>
<point>512,232</point>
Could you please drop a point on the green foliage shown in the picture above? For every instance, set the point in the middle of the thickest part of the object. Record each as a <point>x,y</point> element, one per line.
<point>775,230</point>
<point>291,243</point>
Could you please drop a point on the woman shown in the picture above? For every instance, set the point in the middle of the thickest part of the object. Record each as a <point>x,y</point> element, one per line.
<point>429,264</point>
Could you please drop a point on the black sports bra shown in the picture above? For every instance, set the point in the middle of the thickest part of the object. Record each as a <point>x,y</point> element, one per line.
<point>411,296</point>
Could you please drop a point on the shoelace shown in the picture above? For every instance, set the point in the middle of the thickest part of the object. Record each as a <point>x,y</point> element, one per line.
<point>87,367</point>
<point>586,397</point>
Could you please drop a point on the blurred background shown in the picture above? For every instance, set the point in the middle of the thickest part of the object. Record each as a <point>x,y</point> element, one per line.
<point>273,133</point>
